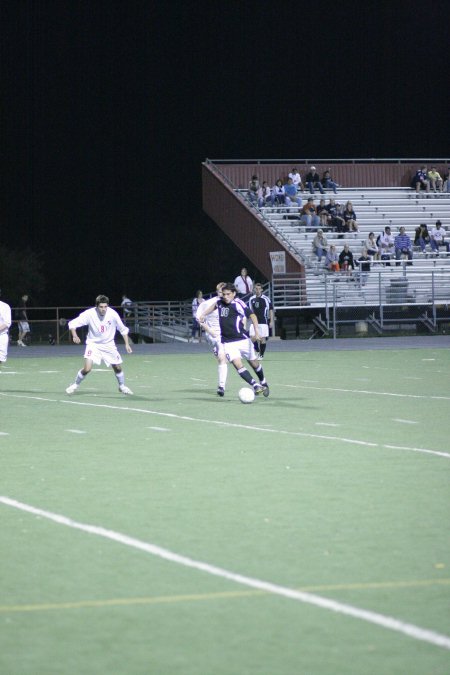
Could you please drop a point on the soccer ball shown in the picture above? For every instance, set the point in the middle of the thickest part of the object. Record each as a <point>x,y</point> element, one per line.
<point>246,395</point>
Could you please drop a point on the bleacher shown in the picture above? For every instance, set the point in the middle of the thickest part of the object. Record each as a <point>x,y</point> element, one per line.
<point>375,208</point>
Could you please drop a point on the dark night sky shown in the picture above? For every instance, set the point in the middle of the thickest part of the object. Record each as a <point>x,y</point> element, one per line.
<point>109,108</point>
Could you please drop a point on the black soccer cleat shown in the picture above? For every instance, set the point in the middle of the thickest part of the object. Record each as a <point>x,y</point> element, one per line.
<point>258,389</point>
<point>266,391</point>
<point>220,391</point>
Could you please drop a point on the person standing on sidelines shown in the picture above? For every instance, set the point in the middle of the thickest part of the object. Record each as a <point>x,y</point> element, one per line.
<point>102,322</point>
<point>5,323</point>
<point>236,342</point>
<point>24,326</point>
<point>243,284</point>
<point>212,321</point>
<point>262,308</point>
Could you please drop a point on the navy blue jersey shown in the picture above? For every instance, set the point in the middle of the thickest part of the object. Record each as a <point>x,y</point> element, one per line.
<point>231,319</point>
<point>260,306</point>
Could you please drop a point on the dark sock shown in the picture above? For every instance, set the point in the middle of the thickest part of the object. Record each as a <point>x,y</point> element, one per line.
<point>243,372</point>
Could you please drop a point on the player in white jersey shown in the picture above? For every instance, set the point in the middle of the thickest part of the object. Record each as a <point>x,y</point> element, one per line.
<point>102,323</point>
<point>213,337</point>
<point>5,323</point>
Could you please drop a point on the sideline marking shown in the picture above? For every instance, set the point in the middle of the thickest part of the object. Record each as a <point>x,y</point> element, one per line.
<point>214,595</point>
<point>4,433</point>
<point>235,425</point>
<point>76,431</point>
<point>388,622</point>
<point>398,419</point>
<point>365,391</point>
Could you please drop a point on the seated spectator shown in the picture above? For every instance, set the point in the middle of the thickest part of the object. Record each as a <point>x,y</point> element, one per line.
<point>328,182</point>
<point>291,195</point>
<point>346,262</point>
<point>422,237</point>
<point>386,243</point>
<point>296,178</point>
<point>447,181</point>
<point>312,181</point>
<point>253,188</point>
<point>332,259</point>
<point>264,195</point>
<point>403,246</point>
<point>278,193</point>
<point>435,179</point>
<point>363,263</point>
<point>320,245</point>
<point>323,214</point>
<point>309,215</point>
<point>420,180</point>
<point>372,247</point>
<point>126,305</point>
<point>336,220</point>
<point>437,238</point>
<point>349,217</point>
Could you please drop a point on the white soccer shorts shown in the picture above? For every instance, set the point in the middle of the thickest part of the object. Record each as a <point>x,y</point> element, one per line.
<point>263,329</point>
<point>107,353</point>
<point>240,349</point>
<point>4,340</point>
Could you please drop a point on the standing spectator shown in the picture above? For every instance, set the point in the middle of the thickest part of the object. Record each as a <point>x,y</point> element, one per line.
<point>403,246</point>
<point>422,237</point>
<point>253,188</point>
<point>126,305</point>
<point>243,284</point>
<point>386,243</point>
<point>332,259</point>
<point>312,181</point>
<point>328,182</point>
<point>278,193</point>
<point>309,215</point>
<point>319,245</point>
<point>337,222</point>
<point>420,180</point>
<point>296,179</point>
<point>372,246</point>
<point>349,217</point>
<point>363,263</point>
<point>435,179</point>
<point>262,308</point>
<point>102,322</point>
<point>196,302</point>
<point>290,191</point>
<point>24,326</point>
<point>437,238</point>
<point>5,323</point>
<point>346,261</point>
<point>264,195</point>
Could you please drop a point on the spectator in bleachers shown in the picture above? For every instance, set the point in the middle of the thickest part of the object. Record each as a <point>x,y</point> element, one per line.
<point>437,238</point>
<point>337,222</point>
<point>403,246</point>
<point>264,195</point>
<point>349,217</point>
<point>386,243</point>
<point>323,214</point>
<point>372,247</point>
<point>253,188</point>
<point>346,261</point>
<point>332,259</point>
<point>420,180</point>
<point>363,263</point>
<point>296,178</point>
<point>312,181</point>
<point>328,182</point>
<point>447,181</point>
<point>435,179</point>
<point>278,193</point>
<point>319,245</point>
<point>291,194</point>
<point>309,215</point>
<point>422,237</point>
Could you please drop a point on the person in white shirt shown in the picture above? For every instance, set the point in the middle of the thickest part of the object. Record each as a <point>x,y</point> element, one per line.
<point>296,178</point>
<point>213,336</point>
<point>386,244</point>
<point>5,324</point>
<point>243,283</point>
<point>437,238</point>
<point>102,322</point>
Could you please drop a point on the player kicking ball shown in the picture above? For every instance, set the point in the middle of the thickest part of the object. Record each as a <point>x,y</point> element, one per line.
<point>236,342</point>
<point>102,323</point>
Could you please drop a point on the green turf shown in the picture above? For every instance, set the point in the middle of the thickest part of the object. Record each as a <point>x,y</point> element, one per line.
<point>278,491</point>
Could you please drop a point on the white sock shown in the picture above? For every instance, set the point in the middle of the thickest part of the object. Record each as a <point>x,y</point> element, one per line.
<point>223,372</point>
<point>80,377</point>
<point>120,378</point>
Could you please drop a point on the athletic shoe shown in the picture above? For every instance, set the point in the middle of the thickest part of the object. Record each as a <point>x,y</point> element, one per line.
<point>220,391</point>
<point>73,387</point>
<point>258,389</point>
<point>260,358</point>
<point>125,390</point>
<point>266,391</point>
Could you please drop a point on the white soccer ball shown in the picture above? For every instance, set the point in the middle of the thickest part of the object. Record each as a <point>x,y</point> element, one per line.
<point>246,395</point>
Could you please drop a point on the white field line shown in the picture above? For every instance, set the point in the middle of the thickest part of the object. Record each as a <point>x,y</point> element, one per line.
<point>388,622</point>
<point>365,391</point>
<point>235,425</point>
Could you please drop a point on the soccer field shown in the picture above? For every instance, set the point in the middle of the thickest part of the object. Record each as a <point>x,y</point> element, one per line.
<point>177,533</point>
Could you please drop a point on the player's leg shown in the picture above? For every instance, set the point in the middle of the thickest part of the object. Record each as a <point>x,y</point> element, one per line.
<point>120,376</point>
<point>222,369</point>
<point>80,376</point>
<point>257,367</point>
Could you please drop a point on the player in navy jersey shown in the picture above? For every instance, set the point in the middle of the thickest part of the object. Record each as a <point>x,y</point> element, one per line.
<point>235,339</point>
<point>262,308</point>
